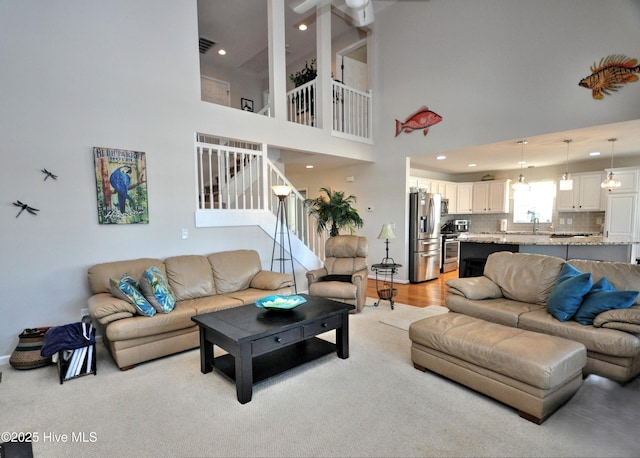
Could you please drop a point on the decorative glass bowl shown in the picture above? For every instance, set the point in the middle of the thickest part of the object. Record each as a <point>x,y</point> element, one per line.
<point>278,302</point>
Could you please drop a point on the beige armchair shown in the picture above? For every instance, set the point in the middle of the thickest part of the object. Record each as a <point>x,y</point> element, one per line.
<point>344,275</point>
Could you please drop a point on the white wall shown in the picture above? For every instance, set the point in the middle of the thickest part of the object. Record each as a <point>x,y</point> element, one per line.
<point>242,85</point>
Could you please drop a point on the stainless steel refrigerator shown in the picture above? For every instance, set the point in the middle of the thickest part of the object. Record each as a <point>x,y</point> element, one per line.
<point>424,236</point>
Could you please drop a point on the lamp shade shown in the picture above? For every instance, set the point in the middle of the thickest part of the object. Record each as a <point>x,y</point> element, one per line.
<point>386,232</point>
<point>611,182</point>
<point>566,182</point>
<point>281,190</point>
<point>521,184</point>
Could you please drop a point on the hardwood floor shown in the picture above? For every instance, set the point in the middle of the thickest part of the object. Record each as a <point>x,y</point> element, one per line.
<point>430,292</point>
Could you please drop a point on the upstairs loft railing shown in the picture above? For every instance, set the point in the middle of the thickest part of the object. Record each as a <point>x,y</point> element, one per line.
<point>351,109</point>
<point>236,175</point>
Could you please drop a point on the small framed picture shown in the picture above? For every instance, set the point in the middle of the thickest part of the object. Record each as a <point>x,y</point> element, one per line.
<point>246,104</point>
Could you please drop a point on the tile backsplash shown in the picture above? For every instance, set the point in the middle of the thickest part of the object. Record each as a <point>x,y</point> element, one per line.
<point>589,222</point>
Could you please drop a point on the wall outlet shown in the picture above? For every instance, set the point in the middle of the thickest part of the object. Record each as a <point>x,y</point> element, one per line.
<point>561,220</point>
<point>569,221</point>
<point>185,233</point>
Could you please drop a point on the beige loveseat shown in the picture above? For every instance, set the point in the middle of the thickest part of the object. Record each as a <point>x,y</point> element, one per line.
<point>514,290</point>
<point>201,284</point>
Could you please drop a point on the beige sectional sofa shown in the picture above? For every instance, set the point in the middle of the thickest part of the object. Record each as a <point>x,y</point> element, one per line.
<point>201,284</point>
<point>514,290</point>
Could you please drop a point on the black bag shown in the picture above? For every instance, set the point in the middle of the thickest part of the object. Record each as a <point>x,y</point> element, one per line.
<point>27,353</point>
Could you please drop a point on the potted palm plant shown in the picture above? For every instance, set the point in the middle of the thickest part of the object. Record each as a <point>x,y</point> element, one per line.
<point>334,211</point>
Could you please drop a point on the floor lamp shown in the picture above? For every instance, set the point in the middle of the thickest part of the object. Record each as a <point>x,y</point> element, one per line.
<point>282,228</point>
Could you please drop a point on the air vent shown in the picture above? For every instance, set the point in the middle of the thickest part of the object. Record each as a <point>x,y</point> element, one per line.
<point>205,44</point>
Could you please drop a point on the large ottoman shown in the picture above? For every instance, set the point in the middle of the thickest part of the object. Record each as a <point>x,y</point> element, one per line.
<point>535,373</point>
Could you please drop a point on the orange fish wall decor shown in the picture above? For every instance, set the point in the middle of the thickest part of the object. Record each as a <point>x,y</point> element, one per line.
<point>420,120</point>
<point>610,74</point>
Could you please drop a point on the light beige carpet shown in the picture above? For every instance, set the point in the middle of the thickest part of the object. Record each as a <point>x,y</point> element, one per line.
<point>373,404</point>
<point>403,315</point>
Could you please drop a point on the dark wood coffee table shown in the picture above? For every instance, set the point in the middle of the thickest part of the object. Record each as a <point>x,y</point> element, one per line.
<point>262,343</point>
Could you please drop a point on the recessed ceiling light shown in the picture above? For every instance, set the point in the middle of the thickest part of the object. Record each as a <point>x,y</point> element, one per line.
<point>440,158</point>
<point>309,166</point>
<point>472,165</point>
<point>222,52</point>
<point>594,153</point>
<point>302,27</point>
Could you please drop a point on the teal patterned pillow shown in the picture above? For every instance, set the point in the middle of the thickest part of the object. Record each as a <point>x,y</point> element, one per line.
<point>156,290</point>
<point>126,288</point>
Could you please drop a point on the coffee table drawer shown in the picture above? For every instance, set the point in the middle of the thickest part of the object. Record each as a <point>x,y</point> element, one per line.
<point>271,343</point>
<point>320,326</point>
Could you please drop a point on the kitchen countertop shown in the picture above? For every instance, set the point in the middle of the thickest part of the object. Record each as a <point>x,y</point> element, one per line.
<point>542,238</point>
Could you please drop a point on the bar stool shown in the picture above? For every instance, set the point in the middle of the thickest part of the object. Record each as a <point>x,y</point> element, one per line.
<point>473,267</point>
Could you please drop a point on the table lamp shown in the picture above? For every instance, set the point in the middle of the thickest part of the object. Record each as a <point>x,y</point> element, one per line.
<point>386,234</point>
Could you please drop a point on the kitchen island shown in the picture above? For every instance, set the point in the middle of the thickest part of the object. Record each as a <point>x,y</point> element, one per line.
<point>477,246</point>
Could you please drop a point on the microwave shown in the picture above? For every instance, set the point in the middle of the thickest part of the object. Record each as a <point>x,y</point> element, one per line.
<point>444,207</point>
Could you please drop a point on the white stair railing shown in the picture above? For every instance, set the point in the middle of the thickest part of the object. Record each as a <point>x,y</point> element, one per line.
<point>301,223</point>
<point>235,175</point>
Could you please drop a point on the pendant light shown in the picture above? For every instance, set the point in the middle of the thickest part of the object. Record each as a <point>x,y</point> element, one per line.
<point>521,184</point>
<point>566,182</point>
<point>611,182</point>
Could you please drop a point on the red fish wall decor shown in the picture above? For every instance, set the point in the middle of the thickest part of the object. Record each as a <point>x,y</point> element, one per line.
<point>610,74</point>
<point>420,120</point>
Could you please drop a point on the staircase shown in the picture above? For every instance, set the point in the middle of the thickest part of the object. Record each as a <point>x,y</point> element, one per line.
<point>235,180</point>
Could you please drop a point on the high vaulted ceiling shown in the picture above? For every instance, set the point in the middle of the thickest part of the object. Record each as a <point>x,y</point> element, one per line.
<point>240,27</point>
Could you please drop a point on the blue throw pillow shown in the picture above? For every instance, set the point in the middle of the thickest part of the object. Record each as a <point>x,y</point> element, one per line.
<point>126,288</point>
<point>566,295</point>
<point>602,297</point>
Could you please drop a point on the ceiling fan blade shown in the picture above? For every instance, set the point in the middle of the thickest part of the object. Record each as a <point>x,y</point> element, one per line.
<point>305,5</point>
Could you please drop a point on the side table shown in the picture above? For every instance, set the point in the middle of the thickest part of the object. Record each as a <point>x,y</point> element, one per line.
<point>384,283</point>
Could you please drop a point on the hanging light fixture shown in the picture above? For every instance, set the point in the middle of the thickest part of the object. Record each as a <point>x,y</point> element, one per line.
<point>521,184</point>
<point>611,182</point>
<point>566,182</point>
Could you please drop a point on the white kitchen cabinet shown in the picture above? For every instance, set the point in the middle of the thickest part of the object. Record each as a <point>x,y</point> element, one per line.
<point>451,193</point>
<point>464,200</point>
<point>621,216</point>
<point>586,194</point>
<point>491,197</point>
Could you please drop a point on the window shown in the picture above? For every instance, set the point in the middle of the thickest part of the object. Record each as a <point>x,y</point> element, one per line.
<point>534,202</point>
